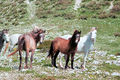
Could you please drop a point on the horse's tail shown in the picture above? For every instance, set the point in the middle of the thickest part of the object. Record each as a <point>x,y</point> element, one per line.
<point>12,53</point>
<point>7,44</point>
<point>51,50</point>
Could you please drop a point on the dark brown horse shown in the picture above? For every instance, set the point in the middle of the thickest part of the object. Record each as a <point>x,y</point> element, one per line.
<point>28,43</point>
<point>64,46</point>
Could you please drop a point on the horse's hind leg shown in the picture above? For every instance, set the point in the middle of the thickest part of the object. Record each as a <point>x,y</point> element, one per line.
<point>67,60</point>
<point>26,59</point>
<point>20,53</point>
<point>31,59</point>
<point>84,60</point>
<point>55,58</point>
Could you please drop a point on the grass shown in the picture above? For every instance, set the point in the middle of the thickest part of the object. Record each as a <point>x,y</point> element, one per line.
<point>65,20</point>
<point>6,69</point>
<point>110,68</point>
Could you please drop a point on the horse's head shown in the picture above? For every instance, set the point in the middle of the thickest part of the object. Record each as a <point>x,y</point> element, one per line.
<point>5,35</point>
<point>76,36</point>
<point>93,34</point>
<point>41,35</point>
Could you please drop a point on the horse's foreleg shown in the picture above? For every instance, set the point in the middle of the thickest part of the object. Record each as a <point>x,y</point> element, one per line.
<point>26,59</point>
<point>84,60</point>
<point>60,60</point>
<point>72,60</point>
<point>20,53</point>
<point>55,58</point>
<point>67,60</point>
<point>31,59</point>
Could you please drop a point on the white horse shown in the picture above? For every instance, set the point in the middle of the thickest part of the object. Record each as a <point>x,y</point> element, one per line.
<point>84,46</point>
<point>13,41</point>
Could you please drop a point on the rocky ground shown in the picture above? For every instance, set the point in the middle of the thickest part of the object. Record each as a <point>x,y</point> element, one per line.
<point>99,66</point>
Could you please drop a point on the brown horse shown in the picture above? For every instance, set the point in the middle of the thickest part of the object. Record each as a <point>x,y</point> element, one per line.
<point>28,43</point>
<point>64,46</point>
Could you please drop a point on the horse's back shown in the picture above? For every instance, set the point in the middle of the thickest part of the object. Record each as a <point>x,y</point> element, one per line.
<point>14,38</point>
<point>60,44</point>
<point>30,42</point>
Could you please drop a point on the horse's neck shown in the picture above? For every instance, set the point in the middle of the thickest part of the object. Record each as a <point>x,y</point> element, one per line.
<point>72,42</point>
<point>36,37</point>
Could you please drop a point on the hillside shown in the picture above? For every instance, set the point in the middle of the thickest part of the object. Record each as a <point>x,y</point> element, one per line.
<point>58,17</point>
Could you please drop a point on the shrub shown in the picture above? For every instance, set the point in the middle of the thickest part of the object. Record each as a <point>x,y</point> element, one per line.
<point>83,17</point>
<point>59,15</point>
<point>45,46</point>
<point>103,16</point>
<point>69,16</point>
<point>93,5</point>
<point>94,16</point>
<point>115,9</point>
<point>112,15</point>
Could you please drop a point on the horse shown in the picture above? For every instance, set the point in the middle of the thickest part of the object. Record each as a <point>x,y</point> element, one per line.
<point>4,39</point>
<point>85,44</point>
<point>28,43</point>
<point>13,41</point>
<point>64,46</point>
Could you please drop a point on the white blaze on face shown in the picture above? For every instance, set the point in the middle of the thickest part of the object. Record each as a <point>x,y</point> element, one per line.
<point>77,38</point>
<point>41,37</point>
<point>6,37</point>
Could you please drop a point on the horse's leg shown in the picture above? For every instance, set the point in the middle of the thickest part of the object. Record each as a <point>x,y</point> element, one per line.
<point>84,60</point>
<point>72,60</point>
<point>55,58</point>
<point>20,53</point>
<point>26,59</point>
<point>31,59</point>
<point>60,59</point>
<point>67,60</point>
<point>11,48</point>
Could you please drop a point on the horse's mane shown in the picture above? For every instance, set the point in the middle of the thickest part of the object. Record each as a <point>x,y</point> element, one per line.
<point>85,37</point>
<point>72,39</point>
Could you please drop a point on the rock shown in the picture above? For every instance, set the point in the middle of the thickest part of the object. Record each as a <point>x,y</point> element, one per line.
<point>96,62</point>
<point>115,74</point>
<point>107,73</point>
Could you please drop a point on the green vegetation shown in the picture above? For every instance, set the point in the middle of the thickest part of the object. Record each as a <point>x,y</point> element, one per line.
<point>5,69</point>
<point>59,14</point>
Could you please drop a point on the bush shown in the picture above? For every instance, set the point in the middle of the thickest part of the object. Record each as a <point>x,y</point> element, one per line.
<point>103,16</point>
<point>115,9</point>
<point>93,5</point>
<point>45,46</point>
<point>83,17</point>
<point>112,15</point>
<point>69,16</point>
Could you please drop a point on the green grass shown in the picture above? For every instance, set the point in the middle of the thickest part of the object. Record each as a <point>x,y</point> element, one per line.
<point>6,69</point>
<point>110,68</point>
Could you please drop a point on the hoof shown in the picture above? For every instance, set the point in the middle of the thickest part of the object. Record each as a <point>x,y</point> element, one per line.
<point>55,66</point>
<point>72,68</point>
<point>31,67</point>
<point>26,67</point>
